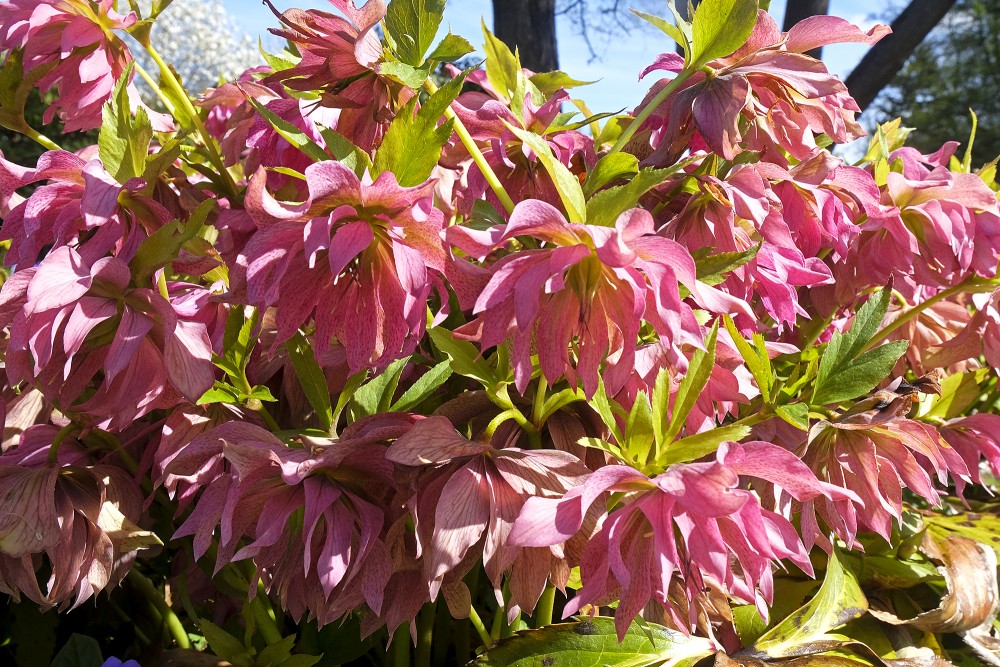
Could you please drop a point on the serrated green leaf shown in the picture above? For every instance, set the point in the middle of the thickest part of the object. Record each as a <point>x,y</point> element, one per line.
<point>639,430</point>
<point>279,62</point>
<point>594,643</point>
<point>412,144</point>
<point>807,630</point>
<point>757,363</point>
<point>345,151</point>
<point>660,403</point>
<point>719,27</point>
<point>412,26</point>
<point>123,142</point>
<point>276,653</point>
<point>567,185</point>
<point>261,393</point>
<point>608,169</point>
<point>502,67</point>
<point>714,268</point>
<point>699,371</point>
<point>679,32</point>
<point>220,393</point>
<point>860,375</point>
<point>79,651</point>
<point>451,48</point>
<point>550,83</point>
<point>796,414</point>
<point>376,395</point>
<point>701,444</point>
<point>604,207</point>
<point>464,357</point>
<point>408,75</point>
<point>312,379</point>
<point>289,132</point>
<point>163,246</point>
<point>603,405</point>
<point>222,643</point>
<point>423,387</point>
<point>605,446</point>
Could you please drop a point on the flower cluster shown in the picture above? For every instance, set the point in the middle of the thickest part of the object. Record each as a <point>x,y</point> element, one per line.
<point>366,343</point>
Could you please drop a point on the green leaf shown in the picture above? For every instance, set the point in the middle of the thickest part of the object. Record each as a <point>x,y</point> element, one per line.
<point>701,444</point>
<point>593,643</point>
<point>288,132</point>
<point>312,379</point>
<point>550,83</point>
<point>79,651</point>
<point>981,525</point>
<point>464,357</point>
<point>261,393</point>
<point>238,340</point>
<point>698,373</point>
<point>408,75</point>
<point>502,67</point>
<point>859,376</point>
<point>959,392</point>
<point>719,27</point>
<point>163,246</point>
<point>807,630</point>
<point>344,150</point>
<point>451,48</point>
<point>713,269</point>
<point>412,144</point>
<point>567,185</point>
<point>604,207</point>
<point>220,393</point>
<point>376,395</point>
<point>412,26</point>
<point>679,32</point>
<point>639,430</point>
<point>796,414</point>
<point>423,387</point>
<point>15,88</point>
<point>608,169</point>
<point>300,660</point>
<point>222,643</point>
<point>661,406</point>
<point>605,446</point>
<point>279,62</point>
<point>276,653</point>
<point>757,360</point>
<point>604,407</point>
<point>845,350</point>
<point>123,141</point>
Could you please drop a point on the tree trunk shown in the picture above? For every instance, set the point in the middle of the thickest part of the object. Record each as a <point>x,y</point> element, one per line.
<point>803,9</point>
<point>886,58</point>
<point>529,25</point>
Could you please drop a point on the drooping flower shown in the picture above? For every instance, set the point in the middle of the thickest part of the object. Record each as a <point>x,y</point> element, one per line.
<point>80,205</point>
<point>876,452</point>
<point>341,58</point>
<point>976,438</point>
<point>466,499</point>
<point>68,517</point>
<point>768,96</point>
<point>77,326</point>
<point>359,257</point>
<point>691,523</point>
<point>312,520</point>
<point>594,285</point>
<point>72,45</point>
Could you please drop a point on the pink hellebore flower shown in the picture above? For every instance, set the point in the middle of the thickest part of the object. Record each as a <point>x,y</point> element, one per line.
<point>81,205</point>
<point>341,58</point>
<point>312,520</point>
<point>594,285</point>
<point>975,437</point>
<point>67,517</point>
<point>74,324</point>
<point>72,45</point>
<point>467,498</point>
<point>784,95</point>
<point>692,522</point>
<point>875,453</point>
<point>360,257</point>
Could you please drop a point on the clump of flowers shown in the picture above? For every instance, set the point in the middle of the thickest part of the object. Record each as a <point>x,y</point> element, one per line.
<point>361,351</point>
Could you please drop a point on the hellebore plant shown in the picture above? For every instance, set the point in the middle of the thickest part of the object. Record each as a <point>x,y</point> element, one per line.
<point>367,358</point>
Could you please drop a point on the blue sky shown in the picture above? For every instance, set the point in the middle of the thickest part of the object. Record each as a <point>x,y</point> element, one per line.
<point>616,72</point>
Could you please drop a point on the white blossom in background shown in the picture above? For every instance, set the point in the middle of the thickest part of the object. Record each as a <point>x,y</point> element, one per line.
<point>203,43</point>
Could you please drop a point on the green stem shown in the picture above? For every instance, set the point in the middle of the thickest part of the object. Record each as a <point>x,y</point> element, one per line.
<point>648,110</point>
<point>401,646</point>
<point>168,77</point>
<point>543,610</point>
<point>477,623</point>
<point>60,436</point>
<point>167,103</point>
<point>145,586</point>
<point>539,402</point>
<point>916,310</point>
<point>477,155</point>
<point>425,635</point>
<point>39,138</point>
<point>264,615</point>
